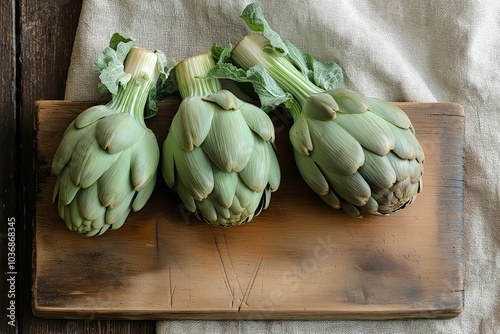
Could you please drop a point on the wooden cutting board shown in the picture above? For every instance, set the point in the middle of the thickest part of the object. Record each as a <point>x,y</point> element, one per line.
<point>299,259</point>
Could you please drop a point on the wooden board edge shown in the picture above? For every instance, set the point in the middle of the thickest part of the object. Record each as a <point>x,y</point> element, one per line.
<point>382,314</point>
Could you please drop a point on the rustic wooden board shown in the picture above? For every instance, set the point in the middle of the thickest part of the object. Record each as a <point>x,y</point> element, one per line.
<point>298,260</point>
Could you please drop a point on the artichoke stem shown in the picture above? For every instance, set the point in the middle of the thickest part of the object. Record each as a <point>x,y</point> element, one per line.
<point>251,51</point>
<point>142,66</point>
<point>190,74</point>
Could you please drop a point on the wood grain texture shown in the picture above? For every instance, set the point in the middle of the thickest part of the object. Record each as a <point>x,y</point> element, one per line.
<point>298,260</point>
<point>8,147</point>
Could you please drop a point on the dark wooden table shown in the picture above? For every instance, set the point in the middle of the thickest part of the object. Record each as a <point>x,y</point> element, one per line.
<point>36,43</point>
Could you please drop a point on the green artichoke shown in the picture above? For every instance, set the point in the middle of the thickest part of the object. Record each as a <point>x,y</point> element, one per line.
<point>218,154</point>
<point>356,153</point>
<point>107,160</point>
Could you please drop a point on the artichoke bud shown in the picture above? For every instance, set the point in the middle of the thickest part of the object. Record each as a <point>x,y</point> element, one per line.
<point>223,167</point>
<point>365,160</point>
<point>108,157</point>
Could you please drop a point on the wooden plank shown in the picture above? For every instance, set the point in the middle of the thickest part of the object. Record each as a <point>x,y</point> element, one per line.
<point>8,190</point>
<point>298,260</point>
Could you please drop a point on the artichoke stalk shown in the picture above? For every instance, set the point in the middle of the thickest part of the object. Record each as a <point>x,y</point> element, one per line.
<point>218,155</point>
<point>107,160</point>
<point>359,154</point>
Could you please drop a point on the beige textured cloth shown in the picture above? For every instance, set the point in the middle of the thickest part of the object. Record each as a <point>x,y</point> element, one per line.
<point>419,50</point>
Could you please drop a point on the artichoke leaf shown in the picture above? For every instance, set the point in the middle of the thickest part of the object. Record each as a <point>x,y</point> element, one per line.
<point>222,211</point>
<point>185,196</point>
<point>321,107</point>
<point>75,218</point>
<point>236,206</point>
<point>243,193</point>
<point>389,112</point>
<point>300,136</point>
<point>144,194</point>
<point>114,215</point>
<point>192,122</point>
<point>195,169</point>
<point>257,170</point>
<point>88,203</point>
<point>67,189</point>
<point>89,161</point>
<point>225,99</point>
<point>378,171</point>
<point>67,146</point>
<point>115,183</point>
<point>104,229</point>
<point>404,143</point>
<point>118,132</point>
<point>121,220</point>
<point>349,102</point>
<point>92,115</point>
<point>334,147</point>
<point>99,222</point>
<point>144,160</point>
<point>371,207</point>
<point>369,130</point>
<point>57,186</point>
<point>352,188</point>
<point>311,174</point>
<point>274,168</point>
<point>258,121</point>
<point>416,171</point>
<point>400,166</point>
<point>60,208</point>
<point>331,199</point>
<point>350,209</point>
<point>229,143</point>
<point>224,186</point>
<point>207,210</point>
<point>168,164</point>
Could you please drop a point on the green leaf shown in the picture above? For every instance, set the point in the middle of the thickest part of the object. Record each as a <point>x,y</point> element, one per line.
<point>110,65</point>
<point>163,87</point>
<point>324,75</point>
<point>270,93</point>
<point>299,59</point>
<point>117,38</point>
<point>254,19</point>
<point>222,54</point>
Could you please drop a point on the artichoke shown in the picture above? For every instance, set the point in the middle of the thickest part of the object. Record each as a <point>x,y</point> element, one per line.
<point>218,154</point>
<point>356,153</point>
<point>107,160</point>
<point>359,154</point>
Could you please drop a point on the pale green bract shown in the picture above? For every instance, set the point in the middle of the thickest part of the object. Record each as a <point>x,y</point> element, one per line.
<point>106,163</point>
<point>359,154</point>
<point>218,154</point>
